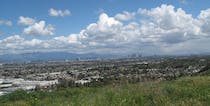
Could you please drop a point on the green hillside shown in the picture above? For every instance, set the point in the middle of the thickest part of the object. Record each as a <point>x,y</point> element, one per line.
<point>188,91</point>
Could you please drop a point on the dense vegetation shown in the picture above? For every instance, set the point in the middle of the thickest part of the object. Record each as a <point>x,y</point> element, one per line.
<point>187,91</point>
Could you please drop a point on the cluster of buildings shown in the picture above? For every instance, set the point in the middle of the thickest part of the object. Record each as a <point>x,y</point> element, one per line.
<point>45,75</point>
<point>9,85</point>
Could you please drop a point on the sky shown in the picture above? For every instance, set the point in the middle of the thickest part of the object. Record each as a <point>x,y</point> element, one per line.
<point>105,26</point>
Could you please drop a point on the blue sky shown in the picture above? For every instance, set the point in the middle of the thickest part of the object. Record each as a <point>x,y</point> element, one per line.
<point>83,13</point>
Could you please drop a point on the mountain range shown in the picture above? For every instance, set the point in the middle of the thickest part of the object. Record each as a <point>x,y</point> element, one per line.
<point>49,56</point>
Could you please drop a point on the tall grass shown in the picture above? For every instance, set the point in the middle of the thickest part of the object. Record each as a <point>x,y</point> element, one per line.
<point>189,91</point>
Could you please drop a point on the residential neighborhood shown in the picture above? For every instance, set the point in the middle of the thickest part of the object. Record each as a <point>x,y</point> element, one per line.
<point>50,75</point>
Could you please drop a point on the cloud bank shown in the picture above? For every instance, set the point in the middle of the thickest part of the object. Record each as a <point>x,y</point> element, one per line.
<point>162,30</point>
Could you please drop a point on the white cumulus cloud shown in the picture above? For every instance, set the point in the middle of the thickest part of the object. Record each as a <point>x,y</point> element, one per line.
<point>26,21</point>
<point>34,28</point>
<point>5,23</point>
<point>125,16</point>
<point>39,29</point>
<point>56,13</point>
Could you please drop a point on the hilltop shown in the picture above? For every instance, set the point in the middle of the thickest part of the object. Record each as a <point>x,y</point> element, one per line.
<point>183,91</point>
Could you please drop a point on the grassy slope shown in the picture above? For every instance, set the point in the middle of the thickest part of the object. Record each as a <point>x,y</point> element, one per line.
<point>186,91</point>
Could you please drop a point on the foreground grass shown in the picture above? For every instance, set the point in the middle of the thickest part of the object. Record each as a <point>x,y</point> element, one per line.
<point>189,91</point>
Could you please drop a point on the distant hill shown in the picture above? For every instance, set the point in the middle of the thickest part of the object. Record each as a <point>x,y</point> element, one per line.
<point>49,56</point>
